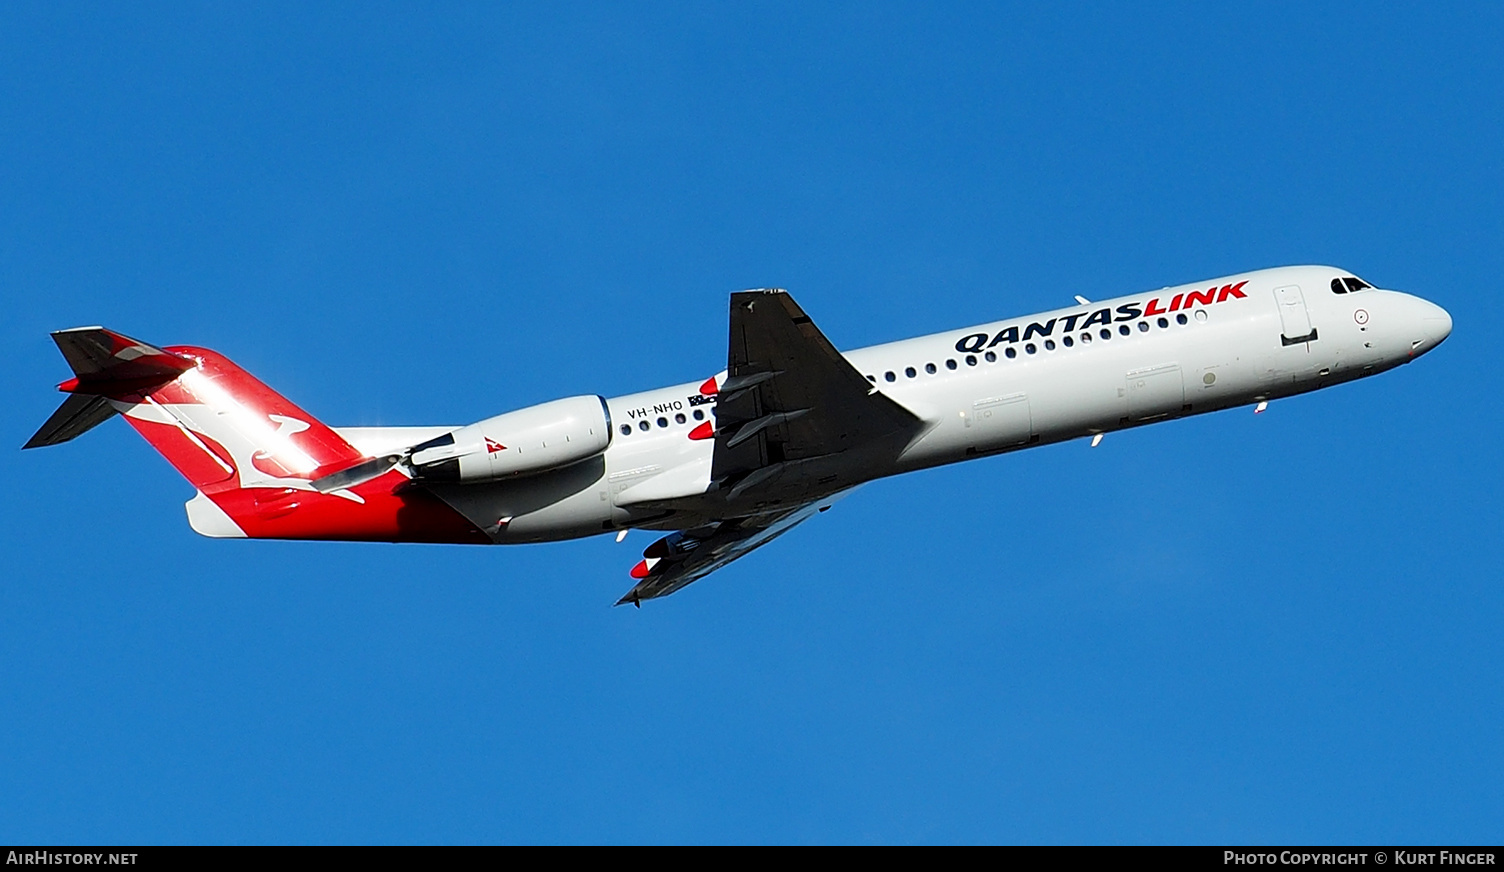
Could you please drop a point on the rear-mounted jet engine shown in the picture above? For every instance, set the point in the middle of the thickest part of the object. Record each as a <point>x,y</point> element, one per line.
<point>535,439</point>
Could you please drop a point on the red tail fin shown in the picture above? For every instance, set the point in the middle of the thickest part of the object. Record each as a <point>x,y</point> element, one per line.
<point>249,450</point>
<point>222,428</point>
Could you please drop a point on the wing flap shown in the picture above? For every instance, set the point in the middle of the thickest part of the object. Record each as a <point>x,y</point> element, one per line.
<point>681,558</point>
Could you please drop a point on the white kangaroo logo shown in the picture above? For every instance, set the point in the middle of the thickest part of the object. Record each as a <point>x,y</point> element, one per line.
<point>287,426</point>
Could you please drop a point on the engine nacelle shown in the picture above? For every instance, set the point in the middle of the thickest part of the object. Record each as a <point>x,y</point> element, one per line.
<point>535,439</point>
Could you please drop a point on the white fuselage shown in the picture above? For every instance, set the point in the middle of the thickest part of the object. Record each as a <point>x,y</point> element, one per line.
<point>1065,374</point>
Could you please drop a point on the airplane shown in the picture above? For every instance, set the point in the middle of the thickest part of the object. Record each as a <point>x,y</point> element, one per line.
<point>726,464</point>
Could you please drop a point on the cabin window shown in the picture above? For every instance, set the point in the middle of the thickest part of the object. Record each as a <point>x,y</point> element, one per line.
<point>699,415</point>
<point>1030,348</point>
<point>950,364</point>
<point>1181,319</point>
<point>991,356</point>
<point>1124,330</point>
<point>626,429</point>
<point>1163,323</point>
<point>662,422</point>
<point>1143,326</point>
<point>679,418</point>
<point>929,368</point>
<point>910,372</point>
<point>1067,341</point>
<point>643,426</point>
<point>1085,338</point>
<point>1105,334</point>
<point>971,360</point>
<point>1049,345</point>
<point>1011,352</point>
<point>890,376</point>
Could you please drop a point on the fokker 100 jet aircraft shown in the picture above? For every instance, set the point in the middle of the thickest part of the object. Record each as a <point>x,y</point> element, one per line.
<point>725,464</point>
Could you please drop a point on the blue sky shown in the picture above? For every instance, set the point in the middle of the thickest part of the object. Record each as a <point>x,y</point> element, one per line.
<point>1224,629</point>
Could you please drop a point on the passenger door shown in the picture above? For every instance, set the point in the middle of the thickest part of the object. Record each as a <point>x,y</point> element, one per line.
<point>1294,318</point>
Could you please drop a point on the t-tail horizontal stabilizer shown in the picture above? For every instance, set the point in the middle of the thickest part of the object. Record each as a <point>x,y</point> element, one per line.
<point>105,365</point>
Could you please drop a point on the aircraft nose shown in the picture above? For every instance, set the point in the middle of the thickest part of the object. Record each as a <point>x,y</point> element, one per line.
<point>1437,324</point>
<point>1430,324</point>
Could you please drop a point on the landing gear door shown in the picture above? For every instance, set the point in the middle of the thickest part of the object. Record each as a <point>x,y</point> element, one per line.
<point>1294,318</point>
<point>1154,392</point>
<point>1001,422</point>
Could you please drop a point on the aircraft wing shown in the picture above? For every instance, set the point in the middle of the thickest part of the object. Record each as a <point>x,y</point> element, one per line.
<point>796,428</point>
<point>689,555</point>
<point>790,403</point>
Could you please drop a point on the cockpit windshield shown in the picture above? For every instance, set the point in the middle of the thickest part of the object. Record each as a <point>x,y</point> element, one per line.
<point>1348,285</point>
